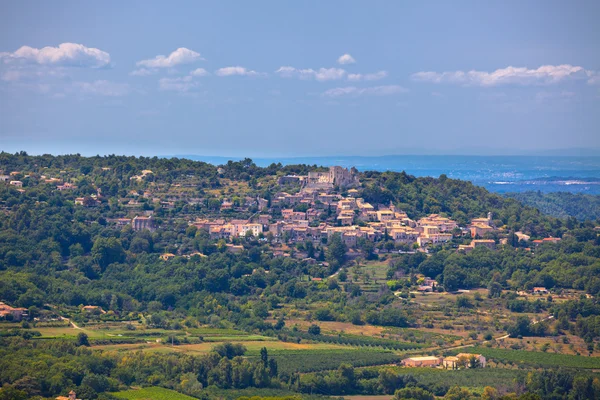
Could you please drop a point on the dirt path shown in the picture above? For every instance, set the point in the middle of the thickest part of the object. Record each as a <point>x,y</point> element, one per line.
<point>533,323</point>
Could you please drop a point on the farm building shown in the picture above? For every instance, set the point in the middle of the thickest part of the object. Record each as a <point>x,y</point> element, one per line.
<point>427,361</point>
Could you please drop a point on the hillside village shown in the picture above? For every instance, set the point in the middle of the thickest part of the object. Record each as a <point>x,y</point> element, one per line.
<point>314,207</point>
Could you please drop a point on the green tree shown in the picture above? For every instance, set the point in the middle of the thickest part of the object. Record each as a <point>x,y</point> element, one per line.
<point>82,339</point>
<point>413,393</point>
<point>336,251</point>
<point>314,329</point>
<point>107,251</point>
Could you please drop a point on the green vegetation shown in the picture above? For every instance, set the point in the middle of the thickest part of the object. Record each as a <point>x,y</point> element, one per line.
<point>270,315</point>
<point>154,393</point>
<point>562,204</point>
<point>290,361</point>
<point>352,340</point>
<point>536,359</point>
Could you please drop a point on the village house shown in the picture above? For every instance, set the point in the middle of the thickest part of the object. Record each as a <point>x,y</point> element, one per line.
<point>442,223</point>
<point>66,186</point>
<point>17,313</point>
<point>522,236</point>
<point>481,226</point>
<point>93,309</point>
<point>263,219</point>
<point>464,360</point>
<point>432,235</point>
<point>353,193</point>
<point>551,240</point>
<point>426,361</point>
<point>119,222</point>
<point>72,396</point>
<point>312,214</point>
<point>346,217</point>
<point>140,223</point>
<point>234,248</point>
<point>489,243</point>
<point>167,256</point>
<point>404,234</point>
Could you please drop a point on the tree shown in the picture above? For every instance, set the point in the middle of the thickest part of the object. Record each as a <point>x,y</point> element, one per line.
<point>458,393</point>
<point>453,277</point>
<point>107,251</point>
<point>314,329</point>
<point>336,251</point>
<point>490,393</point>
<point>520,328</point>
<point>82,339</point>
<point>413,393</point>
<point>264,356</point>
<point>273,369</point>
<point>494,289</point>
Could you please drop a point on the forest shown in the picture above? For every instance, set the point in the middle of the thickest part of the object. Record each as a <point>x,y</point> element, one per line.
<point>562,204</point>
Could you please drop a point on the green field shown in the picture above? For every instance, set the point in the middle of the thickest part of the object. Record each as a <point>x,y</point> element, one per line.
<point>152,393</point>
<point>474,379</point>
<point>534,358</point>
<point>313,360</point>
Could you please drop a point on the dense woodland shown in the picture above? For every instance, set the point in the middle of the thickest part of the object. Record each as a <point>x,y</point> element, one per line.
<point>55,255</point>
<point>562,204</point>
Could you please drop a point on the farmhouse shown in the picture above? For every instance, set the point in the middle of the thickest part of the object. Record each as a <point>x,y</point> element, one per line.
<point>17,313</point>
<point>464,360</point>
<point>72,396</point>
<point>167,256</point>
<point>427,361</point>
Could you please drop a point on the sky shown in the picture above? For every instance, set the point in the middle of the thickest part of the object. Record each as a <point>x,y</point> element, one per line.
<point>309,78</point>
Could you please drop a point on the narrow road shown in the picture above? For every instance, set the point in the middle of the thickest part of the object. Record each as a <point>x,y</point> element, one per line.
<point>533,323</point>
<point>72,323</point>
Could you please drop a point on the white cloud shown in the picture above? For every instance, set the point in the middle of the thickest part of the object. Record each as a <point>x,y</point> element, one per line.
<point>322,74</point>
<point>182,85</point>
<point>103,88</point>
<point>143,72</point>
<point>179,56</point>
<point>368,91</point>
<point>199,72</point>
<point>368,77</point>
<point>328,74</point>
<point>32,74</point>
<point>65,55</point>
<point>346,59</point>
<point>593,77</point>
<point>546,74</point>
<point>241,71</point>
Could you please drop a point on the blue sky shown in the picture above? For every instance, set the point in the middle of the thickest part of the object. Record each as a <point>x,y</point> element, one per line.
<point>273,78</point>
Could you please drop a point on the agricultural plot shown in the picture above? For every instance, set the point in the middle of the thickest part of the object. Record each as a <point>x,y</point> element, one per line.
<point>253,347</point>
<point>313,360</point>
<point>474,379</point>
<point>420,336</point>
<point>151,393</point>
<point>356,340</point>
<point>369,276</point>
<point>536,359</point>
<point>335,327</point>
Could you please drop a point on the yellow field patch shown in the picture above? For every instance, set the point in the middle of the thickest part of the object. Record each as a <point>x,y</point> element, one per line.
<point>337,327</point>
<point>202,348</point>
